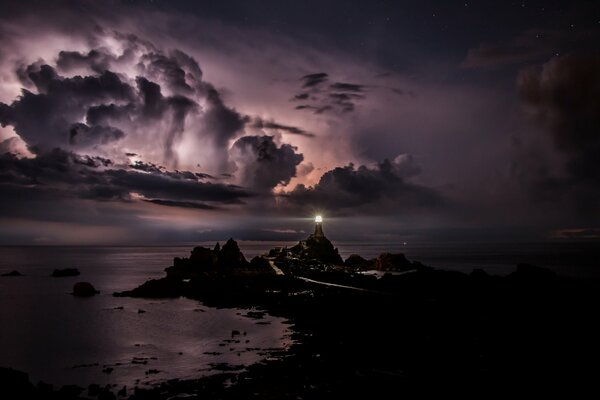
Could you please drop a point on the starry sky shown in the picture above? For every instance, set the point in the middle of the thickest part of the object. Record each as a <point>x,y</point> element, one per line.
<point>178,121</point>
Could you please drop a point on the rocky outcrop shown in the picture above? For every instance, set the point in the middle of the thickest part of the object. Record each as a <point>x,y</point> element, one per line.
<point>12,273</point>
<point>230,255</point>
<point>203,257</point>
<point>393,262</point>
<point>15,384</point>
<point>205,261</point>
<point>316,248</point>
<point>61,273</point>
<point>84,289</point>
<point>528,273</point>
<point>355,261</point>
<point>156,288</point>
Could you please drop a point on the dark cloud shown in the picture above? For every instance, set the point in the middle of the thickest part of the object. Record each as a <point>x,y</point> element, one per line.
<point>315,79</point>
<point>344,101</point>
<point>338,97</point>
<point>563,97</point>
<point>379,189</point>
<point>182,204</point>
<point>97,60</point>
<point>46,119</point>
<point>170,70</point>
<point>90,177</point>
<point>260,123</point>
<point>262,165</point>
<point>222,121</point>
<point>82,135</point>
<point>315,109</point>
<point>347,87</point>
<point>301,96</point>
<point>161,100</point>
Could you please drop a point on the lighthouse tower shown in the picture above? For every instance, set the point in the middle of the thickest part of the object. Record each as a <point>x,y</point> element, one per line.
<point>319,227</point>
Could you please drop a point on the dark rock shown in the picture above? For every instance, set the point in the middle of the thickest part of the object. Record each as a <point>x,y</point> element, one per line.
<point>70,391</point>
<point>356,261</point>
<point>108,370</point>
<point>393,262</point>
<point>217,248</point>
<point>532,273</point>
<point>231,256</point>
<point>478,273</point>
<point>15,384</point>
<point>260,263</point>
<point>140,311</point>
<point>106,394</point>
<point>93,390</point>
<point>278,253</point>
<point>156,288</point>
<point>203,257</point>
<point>317,247</point>
<point>60,273</point>
<point>122,392</point>
<point>12,273</point>
<point>84,289</point>
<point>44,387</point>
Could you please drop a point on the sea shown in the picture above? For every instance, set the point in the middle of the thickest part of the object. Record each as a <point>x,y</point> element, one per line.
<point>61,339</point>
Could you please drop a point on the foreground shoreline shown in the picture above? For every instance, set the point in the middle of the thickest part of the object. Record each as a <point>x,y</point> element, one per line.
<point>418,332</point>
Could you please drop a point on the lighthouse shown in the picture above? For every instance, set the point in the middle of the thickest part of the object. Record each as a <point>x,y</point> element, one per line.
<point>319,227</point>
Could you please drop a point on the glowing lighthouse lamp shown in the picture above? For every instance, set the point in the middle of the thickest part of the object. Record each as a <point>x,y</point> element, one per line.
<point>318,227</point>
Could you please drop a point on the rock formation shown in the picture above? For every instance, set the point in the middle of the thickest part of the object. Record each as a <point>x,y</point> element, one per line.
<point>317,247</point>
<point>393,262</point>
<point>84,289</point>
<point>226,260</point>
<point>12,273</point>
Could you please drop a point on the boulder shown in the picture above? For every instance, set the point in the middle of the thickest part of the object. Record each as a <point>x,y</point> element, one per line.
<point>60,273</point>
<point>84,289</point>
<point>393,262</point>
<point>13,273</point>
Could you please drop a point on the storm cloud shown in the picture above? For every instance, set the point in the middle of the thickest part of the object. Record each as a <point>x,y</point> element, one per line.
<point>320,97</point>
<point>132,94</point>
<point>71,175</point>
<point>381,188</point>
<point>262,164</point>
<point>563,97</point>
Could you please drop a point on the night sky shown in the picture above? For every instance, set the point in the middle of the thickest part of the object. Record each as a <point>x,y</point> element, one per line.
<point>175,121</point>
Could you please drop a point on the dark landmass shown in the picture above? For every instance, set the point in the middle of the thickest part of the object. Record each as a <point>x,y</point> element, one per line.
<point>61,273</point>
<point>14,273</point>
<point>414,332</point>
<point>84,289</point>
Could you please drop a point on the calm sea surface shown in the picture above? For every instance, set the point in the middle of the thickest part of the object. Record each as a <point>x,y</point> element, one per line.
<point>58,338</point>
<point>61,339</point>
